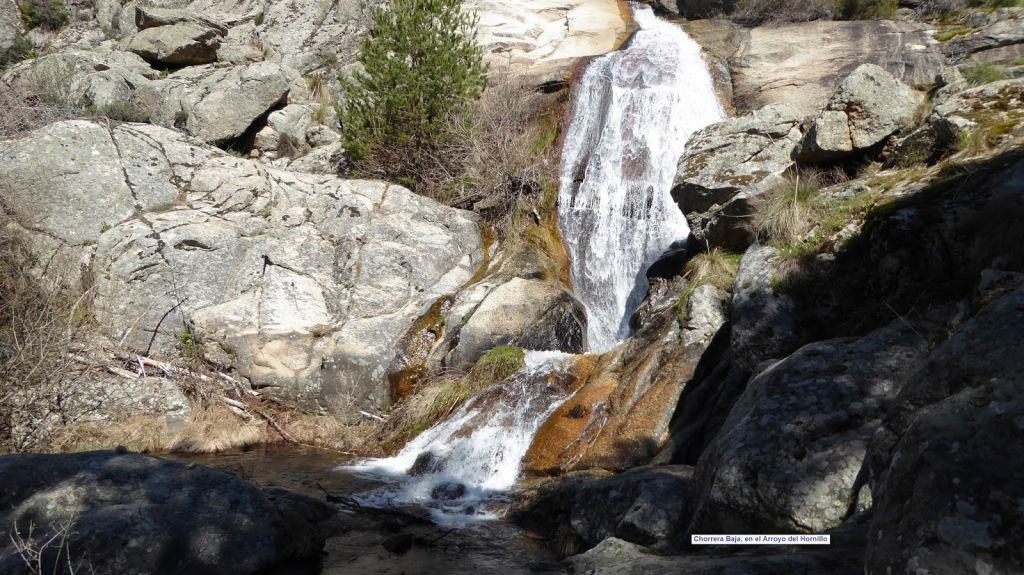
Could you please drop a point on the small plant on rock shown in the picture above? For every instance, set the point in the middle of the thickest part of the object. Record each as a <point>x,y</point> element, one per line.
<point>48,15</point>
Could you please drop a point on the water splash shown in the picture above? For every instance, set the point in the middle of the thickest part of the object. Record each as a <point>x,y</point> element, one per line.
<point>634,110</point>
<point>461,465</point>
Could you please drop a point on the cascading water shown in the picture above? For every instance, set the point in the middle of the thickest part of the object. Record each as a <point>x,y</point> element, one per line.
<point>460,464</point>
<point>634,110</point>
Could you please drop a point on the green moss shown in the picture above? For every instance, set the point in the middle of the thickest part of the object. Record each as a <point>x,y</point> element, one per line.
<point>948,33</point>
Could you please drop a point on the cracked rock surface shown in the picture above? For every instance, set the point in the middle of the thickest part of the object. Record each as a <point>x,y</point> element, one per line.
<point>303,283</point>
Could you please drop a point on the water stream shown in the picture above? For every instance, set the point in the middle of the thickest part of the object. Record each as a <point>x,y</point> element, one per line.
<point>633,112</point>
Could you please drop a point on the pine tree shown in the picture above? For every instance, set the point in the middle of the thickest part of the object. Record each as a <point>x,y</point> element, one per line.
<point>421,67</point>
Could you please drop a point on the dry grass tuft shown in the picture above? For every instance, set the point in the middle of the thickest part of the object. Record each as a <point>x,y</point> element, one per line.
<point>215,428</point>
<point>782,216</point>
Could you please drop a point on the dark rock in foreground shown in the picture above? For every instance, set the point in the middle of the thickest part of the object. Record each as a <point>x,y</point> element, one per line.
<point>133,513</point>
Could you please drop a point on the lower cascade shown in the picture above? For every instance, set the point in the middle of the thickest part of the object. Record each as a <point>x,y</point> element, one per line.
<point>634,110</point>
<point>461,464</point>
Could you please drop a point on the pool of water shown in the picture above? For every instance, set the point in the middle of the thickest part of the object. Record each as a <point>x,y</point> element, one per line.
<point>362,537</point>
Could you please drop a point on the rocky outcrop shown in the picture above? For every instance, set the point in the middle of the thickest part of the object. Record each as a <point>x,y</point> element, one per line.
<point>544,41</point>
<point>180,44</point>
<point>868,107</point>
<point>948,501</point>
<point>131,513</point>
<point>533,314</point>
<point>789,455</point>
<point>214,103</point>
<point>620,416</point>
<point>727,165</point>
<point>996,36</point>
<point>11,26</point>
<point>302,283</point>
<point>800,64</point>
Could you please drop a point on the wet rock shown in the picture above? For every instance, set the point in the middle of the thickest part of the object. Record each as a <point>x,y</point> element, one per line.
<point>398,544</point>
<point>181,44</point>
<point>789,455</point>
<point>448,491</point>
<point>868,107</point>
<point>727,165</point>
<point>619,417</point>
<point>132,513</point>
<point>302,283</point>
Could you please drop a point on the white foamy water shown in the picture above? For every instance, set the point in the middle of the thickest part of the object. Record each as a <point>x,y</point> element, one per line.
<point>473,456</point>
<point>634,110</point>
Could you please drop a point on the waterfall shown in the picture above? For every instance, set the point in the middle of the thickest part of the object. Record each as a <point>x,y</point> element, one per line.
<point>634,110</point>
<point>461,464</point>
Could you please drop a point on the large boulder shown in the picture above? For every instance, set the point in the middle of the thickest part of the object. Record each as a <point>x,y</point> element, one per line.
<point>789,455</point>
<point>946,501</point>
<point>113,513</point>
<point>180,44</point>
<point>800,64</point>
<point>534,314</point>
<point>212,103</point>
<point>645,505</point>
<point>302,283</point>
<point>727,165</point>
<point>868,107</point>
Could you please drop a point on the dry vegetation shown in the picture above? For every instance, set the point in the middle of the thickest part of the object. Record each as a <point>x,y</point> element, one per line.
<point>496,162</point>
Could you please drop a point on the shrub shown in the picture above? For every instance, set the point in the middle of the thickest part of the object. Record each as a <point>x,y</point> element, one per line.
<point>867,9</point>
<point>49,15</point>
<point>421,67</point>
<point>41,322</point>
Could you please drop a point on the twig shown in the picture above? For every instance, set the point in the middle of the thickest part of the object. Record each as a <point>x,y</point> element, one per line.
<point>372,416</point>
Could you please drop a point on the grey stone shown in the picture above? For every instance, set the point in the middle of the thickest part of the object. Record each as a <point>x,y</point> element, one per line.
<point>11,27</point>
<point>532,311</point>
<point>646,505</point>
<point>800,64</point>
<point>153,16</point>
<point>947,501</point>
<point>618,557</point>
<point>868,107</point>
<point>182,44</point>
<point>302,283</point>
<point>137,514</point>
<point>789,454</point>
<point>764,323</point>
<point>728,164</point>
